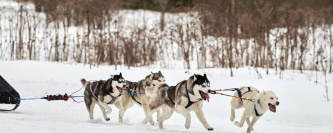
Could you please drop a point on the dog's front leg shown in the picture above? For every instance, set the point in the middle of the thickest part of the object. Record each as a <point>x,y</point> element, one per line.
<point>241,122</point>
<point>250,128</point>
<point>108,110</point>
<point>181,110</point>
<point>121,111</point>
<point>148,112</point>
<point>202,119</point>
<point>103,112</point>
<point>248,122</point>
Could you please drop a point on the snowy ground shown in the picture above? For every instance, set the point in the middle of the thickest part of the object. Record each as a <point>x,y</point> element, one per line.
<point>302,106</point>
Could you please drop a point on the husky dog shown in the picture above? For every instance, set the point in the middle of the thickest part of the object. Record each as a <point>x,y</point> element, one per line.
<point>255,104</point>
<point>141,91</point>
<point>186,96</point>
<point>104,93</point>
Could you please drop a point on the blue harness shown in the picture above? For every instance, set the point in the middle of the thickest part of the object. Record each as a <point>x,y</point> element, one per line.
<point>188,97</point>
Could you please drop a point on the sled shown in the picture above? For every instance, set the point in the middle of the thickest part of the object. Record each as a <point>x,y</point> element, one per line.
<point>8,96</point>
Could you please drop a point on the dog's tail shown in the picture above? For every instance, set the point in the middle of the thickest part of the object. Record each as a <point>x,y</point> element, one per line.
<point>83,81</point>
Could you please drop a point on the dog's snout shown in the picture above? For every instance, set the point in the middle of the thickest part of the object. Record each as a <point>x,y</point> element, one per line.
<point>277,103</point>
<point>124,86</point>
<point>209,91</point>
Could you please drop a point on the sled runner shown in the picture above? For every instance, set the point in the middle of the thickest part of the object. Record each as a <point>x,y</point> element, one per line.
<point>8,96</point>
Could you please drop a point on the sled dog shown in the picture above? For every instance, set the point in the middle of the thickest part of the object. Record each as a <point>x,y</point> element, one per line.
<point>104,93</point>
<point>255,104</point>
<point>141,91</point>
<point>186,96</point>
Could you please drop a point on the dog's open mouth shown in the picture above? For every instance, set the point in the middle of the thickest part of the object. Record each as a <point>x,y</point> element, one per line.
<point>204,96</point>
<point>272,107</point>
<point>120,89</point>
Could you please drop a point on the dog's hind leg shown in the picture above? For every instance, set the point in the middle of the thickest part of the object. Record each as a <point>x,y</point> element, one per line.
<point>202,119</point>
<point>166,114</point>
<point>121,111</point>
<point>91,110</point>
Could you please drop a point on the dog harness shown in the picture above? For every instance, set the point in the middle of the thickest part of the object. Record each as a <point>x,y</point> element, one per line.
<point>188,98</point>
<point>255,109</point>
<point>93,88</point>
<point>240,93</point>
<point>132,93</point>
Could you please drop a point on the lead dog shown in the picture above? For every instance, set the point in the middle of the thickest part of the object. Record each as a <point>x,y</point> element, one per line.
<point>255,103</point>
<point>186,96</point>
<point>141,91</point>
<point>104,93</point>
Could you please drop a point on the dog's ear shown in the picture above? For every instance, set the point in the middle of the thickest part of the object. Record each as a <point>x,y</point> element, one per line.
<point>151,72</point>
<point>147,83</point>
<point>205,75</point>
<point>194,77</point>
<point>159,72</point>
<point>120,74</point>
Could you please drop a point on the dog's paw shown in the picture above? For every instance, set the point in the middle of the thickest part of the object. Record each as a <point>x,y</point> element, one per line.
<point>107,119</point>
<point>144,122</point>
<point>187,126</point>
<point>249,129</point>
<point>120,120</point>
<point>232,119</point>
<point>237,123</point>
<point>210,129</point>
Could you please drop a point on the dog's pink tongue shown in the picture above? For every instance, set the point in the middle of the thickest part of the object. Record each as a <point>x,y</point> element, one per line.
<point>272,108</point>
<point>120,89</point>
<point>206,96</point>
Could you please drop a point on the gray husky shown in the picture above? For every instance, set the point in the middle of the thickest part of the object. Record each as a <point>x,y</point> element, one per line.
<point>186,96</point>
<point>141,91</point>
<point>104,93</point>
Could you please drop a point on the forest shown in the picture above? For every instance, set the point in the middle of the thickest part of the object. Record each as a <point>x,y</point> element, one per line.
<point>270,34</point>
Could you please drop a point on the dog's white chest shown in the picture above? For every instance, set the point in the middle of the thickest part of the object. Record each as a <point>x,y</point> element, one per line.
<point>107,99</point>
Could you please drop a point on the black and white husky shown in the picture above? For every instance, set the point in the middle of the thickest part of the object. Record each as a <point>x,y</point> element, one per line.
<point>140,92</point>
<point>186,96</point>
<point>104,93</point>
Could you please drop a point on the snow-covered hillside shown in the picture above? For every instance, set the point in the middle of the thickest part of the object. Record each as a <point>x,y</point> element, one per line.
<point>302,106</point>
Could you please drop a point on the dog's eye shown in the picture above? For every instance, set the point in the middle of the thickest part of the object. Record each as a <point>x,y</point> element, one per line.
<point>160,80</point>
<point>272,98</point>
<point>203,85</point>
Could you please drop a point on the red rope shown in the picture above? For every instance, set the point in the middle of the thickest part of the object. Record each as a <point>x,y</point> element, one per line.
<point>70,96</point>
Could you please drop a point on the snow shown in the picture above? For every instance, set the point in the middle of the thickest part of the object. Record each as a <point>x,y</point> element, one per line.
<point>302,106</point>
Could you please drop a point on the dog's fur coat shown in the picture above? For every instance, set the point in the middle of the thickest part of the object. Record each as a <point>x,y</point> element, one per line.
<point>145,86</point>
<point>186,96</point>
<point>104,93</point>
<point>255,105</point>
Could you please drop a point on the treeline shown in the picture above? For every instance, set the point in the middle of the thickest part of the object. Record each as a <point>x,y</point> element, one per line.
<point>280,34</point>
